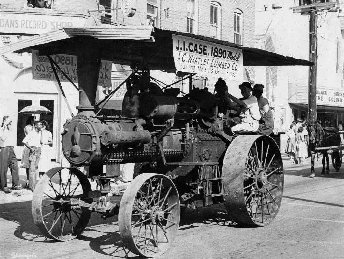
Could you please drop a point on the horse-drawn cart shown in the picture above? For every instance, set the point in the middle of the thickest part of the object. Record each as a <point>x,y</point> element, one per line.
<point>183,156</point>
<point>328,142</point>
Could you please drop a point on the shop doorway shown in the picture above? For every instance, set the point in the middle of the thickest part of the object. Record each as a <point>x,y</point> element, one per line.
<point>47,100</point>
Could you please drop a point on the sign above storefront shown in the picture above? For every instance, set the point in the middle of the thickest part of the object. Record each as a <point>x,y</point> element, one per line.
<point>207,59</point>
<point>42,70</point>
<point>28,23</point>
<point>330,97</point>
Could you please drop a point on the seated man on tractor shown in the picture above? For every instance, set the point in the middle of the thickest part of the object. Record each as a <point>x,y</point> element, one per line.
<point>226,107</point>
<point>249,116</point>
<point>266,123</point>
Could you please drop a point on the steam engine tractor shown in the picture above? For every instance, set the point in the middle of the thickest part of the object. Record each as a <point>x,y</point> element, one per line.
<point>183,156</point>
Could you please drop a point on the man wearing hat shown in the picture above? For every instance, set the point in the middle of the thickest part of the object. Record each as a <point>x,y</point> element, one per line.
<point>249,115</point>
<point>266,123</point>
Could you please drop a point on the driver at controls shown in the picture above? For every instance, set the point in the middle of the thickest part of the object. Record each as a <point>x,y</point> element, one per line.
<point>249,116</point>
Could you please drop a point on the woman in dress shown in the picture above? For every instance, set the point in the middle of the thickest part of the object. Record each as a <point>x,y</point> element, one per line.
<point>46,143</point>
<point>301,145</point>
<point>290,150</point>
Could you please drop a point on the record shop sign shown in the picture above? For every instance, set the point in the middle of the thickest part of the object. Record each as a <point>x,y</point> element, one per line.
<point>42,69</point>
<point>330,97</point>
<point>25,23</point>
<point>207,58</point>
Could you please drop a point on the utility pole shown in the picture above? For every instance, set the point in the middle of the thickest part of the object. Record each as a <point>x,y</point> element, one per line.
<point>312,8</point>
<point>312,78</point>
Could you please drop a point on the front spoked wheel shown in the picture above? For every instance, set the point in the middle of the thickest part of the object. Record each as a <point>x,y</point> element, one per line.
<point>56,204</point>
<point>149,214</point>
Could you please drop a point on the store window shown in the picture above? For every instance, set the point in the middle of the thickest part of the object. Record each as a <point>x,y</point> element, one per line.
<point>238,26</point>
<point>23,118</point>
<point>215,19</point>
<point>153,13</point>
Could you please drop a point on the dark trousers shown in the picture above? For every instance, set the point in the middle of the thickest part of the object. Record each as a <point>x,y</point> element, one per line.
<point>8,159</point>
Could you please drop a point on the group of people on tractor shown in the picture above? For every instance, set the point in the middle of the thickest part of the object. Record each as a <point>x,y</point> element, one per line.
<point>250,113</point>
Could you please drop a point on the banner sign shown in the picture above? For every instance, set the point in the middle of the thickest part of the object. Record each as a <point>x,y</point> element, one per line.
<point>206,58</point>
<point>330,97</point>
<point>42,69</point>
<point>25,23</point>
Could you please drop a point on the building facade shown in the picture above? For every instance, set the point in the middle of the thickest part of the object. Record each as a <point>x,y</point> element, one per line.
<point>229,20</point>
<point>21,20</point>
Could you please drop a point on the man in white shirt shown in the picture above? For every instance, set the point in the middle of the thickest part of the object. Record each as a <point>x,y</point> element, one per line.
<point>8,158</point>
<point>33,142</point>
<point>250,115</point>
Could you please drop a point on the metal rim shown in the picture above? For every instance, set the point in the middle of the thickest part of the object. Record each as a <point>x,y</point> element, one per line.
<point>56,206</point>
<point>253,180</point>
<point>149,214</point>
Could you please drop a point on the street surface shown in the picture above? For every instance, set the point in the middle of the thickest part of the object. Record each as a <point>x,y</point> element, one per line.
<point>310,224</point>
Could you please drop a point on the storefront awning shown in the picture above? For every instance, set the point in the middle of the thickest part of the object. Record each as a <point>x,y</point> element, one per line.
<point>132,44</point>
<point>320,108</point>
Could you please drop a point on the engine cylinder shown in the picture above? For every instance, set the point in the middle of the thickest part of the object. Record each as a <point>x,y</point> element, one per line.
<point>80,140</point>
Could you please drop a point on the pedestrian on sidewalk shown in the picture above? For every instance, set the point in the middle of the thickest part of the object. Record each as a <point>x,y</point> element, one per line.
<point>291,142</point>
<point>301,146</point>
<point>8,158</point>
<point>33,142</point>
<point>25,163</point>
<point>46,140</point>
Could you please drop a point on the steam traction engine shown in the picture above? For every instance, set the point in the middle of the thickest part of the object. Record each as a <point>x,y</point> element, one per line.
<point>182,155</point>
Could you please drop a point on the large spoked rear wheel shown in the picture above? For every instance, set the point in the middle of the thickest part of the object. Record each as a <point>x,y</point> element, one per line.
<point>253,180</point>
<point>149,214</point>
<point>56,206</point>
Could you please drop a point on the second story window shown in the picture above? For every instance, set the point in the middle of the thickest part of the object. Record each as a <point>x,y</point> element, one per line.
<point>153,13</point>
<point>238,27</point>
<point>214,14</point>
<point>215,19</point>
<point>190,19</point>
<point>39,3</point>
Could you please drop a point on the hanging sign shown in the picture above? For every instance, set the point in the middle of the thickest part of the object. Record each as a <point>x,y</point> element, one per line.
<point>207,59</point>
<point>26,23</point>
<point>330,97</point>
<point>42,69</point>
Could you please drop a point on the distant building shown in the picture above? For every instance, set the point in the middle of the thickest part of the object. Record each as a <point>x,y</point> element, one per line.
<point>280,30</point>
